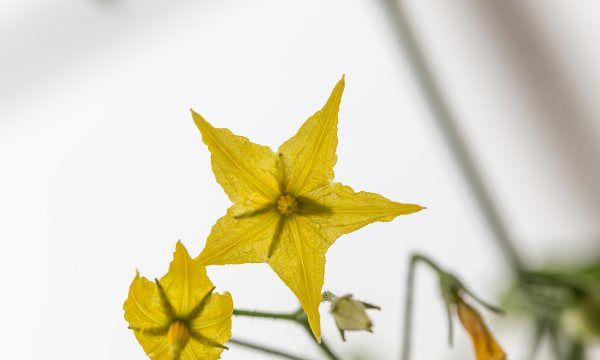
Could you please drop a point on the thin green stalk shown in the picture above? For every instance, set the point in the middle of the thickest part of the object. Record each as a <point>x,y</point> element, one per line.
<point>297,317</point>
<point>302,320</point>
<point>408,306</point>
<point>424,259</point>
<point>266,315</point>
<point>447,123</point>
<point>540,329</point>
<point>408,302</point>
<point>265,349</point>
<point>576,350</point>
<point>325,348</point>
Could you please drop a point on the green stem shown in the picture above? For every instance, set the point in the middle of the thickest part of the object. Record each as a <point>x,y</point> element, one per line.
<point>265,349</point>
<point>266,315</point>
<point>424,259</point>
<point>297,317</point>
<point>302,320</point>
<point>408,306</point>
<point>576,350</point>
<point>325,348</point>
<point>447,123</point>
<point>408,302</point>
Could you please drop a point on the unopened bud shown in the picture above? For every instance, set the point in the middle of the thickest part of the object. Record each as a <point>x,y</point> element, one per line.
<point>350,314</point>
<point>177,336</point>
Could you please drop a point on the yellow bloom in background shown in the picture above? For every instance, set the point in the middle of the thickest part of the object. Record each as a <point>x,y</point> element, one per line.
<point>486,347</point>
<point>286,211</point>
<point>179,317</point>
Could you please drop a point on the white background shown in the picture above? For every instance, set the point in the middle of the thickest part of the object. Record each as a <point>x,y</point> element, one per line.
<point>102,168</point>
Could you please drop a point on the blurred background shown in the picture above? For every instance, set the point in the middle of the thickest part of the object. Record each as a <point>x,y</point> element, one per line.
<point>102,169</point>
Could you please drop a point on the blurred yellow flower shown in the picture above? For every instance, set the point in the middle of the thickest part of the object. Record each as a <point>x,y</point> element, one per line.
<point>286,210</point>
<point>486,347</point>
<point>179,317</point>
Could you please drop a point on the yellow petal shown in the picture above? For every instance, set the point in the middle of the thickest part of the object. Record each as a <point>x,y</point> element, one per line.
<point>186,282</point>
<point>240,240</point>
<point>486,347</point>
<point>143,310</point>
<point>248,172</point>
<point>213,323</point>
<point>338,210</point>
<point>309,156</point>
<point>300,263</point>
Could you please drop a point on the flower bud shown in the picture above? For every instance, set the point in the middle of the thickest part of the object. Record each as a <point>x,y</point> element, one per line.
<point>350,314</point>
<point>177,336</point>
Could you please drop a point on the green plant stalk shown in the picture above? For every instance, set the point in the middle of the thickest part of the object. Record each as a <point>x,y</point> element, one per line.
<point>265,349</point>
<point>325,348</point>
<point>297,317</point>
<point>447,123</point>
<point>408,303</point>
<point>266,315</point>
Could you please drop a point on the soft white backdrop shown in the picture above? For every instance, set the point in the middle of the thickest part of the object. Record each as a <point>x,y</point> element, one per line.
<point>102,168</point>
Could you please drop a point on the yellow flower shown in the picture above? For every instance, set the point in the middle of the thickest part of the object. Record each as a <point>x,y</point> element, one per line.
<point>350,314</point>
<point>286,210</point>
<point>179,317</point>
<point>486,347</point>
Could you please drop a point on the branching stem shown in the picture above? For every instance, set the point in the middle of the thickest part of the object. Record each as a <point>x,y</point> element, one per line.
<point>298,317</point>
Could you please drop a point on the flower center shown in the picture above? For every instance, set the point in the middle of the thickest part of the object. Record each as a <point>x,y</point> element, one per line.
<point>287,205</point>
<point>178,336</point>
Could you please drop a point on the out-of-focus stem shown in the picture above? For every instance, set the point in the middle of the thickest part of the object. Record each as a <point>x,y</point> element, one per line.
<point>408,302</point>
<point>447,123</point>
<point>408,306</point>
<point>325,348</point>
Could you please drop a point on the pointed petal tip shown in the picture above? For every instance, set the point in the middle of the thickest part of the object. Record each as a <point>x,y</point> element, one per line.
<point>316,332</point>
<point>341,83</point>
<point>416,207</point>
<point>405,209</point>
<point>180,247</point>
<point>199,120</point>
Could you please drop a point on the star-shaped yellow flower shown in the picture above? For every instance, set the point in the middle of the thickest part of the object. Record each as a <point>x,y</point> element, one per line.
<point>286,210</point>
<point>179,317</point>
